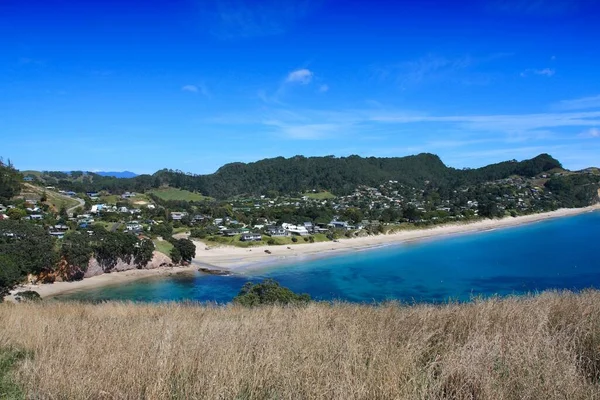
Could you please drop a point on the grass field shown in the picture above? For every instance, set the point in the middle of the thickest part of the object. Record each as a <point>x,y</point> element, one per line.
<point>55,200</point>
<point>163,246</point>
<point>178,194</point>
<point>319,196</point>
<point>544,347</point>
<point>279,241</point>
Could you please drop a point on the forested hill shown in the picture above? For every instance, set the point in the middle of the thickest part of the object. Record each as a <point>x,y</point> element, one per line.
<point>339,175</point>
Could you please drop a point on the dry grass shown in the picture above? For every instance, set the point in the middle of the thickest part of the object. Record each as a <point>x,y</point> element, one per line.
<point>544,347</point>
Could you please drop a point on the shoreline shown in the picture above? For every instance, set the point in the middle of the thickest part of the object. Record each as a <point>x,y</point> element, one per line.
<point>239,260</point>
<point>46,290</point>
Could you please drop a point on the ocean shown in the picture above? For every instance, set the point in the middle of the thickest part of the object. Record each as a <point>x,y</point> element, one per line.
<point>561,253</point>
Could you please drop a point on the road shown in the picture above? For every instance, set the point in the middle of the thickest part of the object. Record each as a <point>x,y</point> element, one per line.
<point>72,209</point>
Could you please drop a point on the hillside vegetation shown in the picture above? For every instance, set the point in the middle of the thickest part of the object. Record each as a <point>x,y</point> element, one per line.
<point>545,347</point>
<point>339,175</point>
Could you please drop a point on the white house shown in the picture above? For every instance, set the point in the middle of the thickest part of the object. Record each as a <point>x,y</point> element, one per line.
<point>295,229</point>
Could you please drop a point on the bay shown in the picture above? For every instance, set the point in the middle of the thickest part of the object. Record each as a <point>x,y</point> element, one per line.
<point>562,253</point>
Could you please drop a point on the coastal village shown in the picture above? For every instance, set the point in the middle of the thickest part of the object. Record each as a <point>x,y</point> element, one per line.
<point>276,219</point>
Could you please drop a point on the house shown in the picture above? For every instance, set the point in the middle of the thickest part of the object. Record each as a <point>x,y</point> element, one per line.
<point>134,226</point>
<point>178,215</point>
<point>127,195</point>
<point>36,217</point>
<point>276,231</point>
<point>230,232</point>
<point>57,234</point>
<point>28,178</point>
<point>339,225</point>
<point>199,218</point>
<point>309,227</point>
<point>295,229</point>
<point>61,227</point>
<point>96,208</point>
<point>123,210</point>
<point>251,237</point>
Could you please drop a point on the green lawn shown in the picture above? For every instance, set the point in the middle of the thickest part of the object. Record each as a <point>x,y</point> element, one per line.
<point>279,241</point>
<point>178,194</point>
<point>163,246</point>
<point>319,196</point>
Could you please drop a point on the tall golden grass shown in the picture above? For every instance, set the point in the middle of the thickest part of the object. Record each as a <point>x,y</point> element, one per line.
<point>542,347</point>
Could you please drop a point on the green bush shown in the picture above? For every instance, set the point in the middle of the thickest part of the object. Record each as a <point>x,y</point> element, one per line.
<point>268,292</point>
<point>28,295</point>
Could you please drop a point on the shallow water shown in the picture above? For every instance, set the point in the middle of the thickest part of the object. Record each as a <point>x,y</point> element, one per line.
<point>561,253</point>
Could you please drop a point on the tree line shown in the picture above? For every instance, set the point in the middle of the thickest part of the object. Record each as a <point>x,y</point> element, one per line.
<point>340,175</point>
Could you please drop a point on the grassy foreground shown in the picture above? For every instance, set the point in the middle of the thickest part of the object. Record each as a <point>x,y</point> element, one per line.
<point>544,347</point>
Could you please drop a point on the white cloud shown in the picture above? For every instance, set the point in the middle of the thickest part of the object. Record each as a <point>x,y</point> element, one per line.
<point>235,19</point>
<point>201,88</point>
<point>579,104</point>
<point>304,131</point>
<point>548,72</point>
<point>590,133</point>
<point>190,88</point>
<point>323,88</point>
<point>302,76</point>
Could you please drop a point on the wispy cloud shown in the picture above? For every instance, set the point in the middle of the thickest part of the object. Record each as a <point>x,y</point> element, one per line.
<point>591,133</point>
<point>323,88</point>
<point>579,104</point>
<point>548,72</point>
<point>200,88</point>
<point>539,7</point>
<point>302,76</point>
<point>304,131</point>
<point>434,68</point>
<point>190,88</point>
<point>232,19</point>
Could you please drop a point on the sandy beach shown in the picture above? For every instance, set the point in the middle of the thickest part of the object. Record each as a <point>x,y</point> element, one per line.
<point>236,259</point>
<point>52,289</point>
<point>239,259</point>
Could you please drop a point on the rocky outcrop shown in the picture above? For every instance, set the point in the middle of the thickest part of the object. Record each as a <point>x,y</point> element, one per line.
<point>158,260</point>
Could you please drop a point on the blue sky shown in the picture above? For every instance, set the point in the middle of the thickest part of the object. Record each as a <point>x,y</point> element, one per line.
<point>194,84</point>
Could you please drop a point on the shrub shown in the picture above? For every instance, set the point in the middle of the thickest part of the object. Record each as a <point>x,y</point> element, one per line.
<point>294,239</point>
<point>28,295</point>
<point>268,292</point>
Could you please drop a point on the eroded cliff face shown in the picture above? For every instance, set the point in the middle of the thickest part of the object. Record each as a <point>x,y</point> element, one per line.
<point>158,260</point>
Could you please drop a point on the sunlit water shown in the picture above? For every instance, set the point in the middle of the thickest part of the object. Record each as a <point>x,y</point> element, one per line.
<point>561,253</point>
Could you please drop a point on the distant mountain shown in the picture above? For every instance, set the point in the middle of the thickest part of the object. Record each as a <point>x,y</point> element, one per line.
<point>122,174</point>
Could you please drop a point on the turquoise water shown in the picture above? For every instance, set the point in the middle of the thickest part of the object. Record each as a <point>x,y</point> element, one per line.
<point>562,253</point>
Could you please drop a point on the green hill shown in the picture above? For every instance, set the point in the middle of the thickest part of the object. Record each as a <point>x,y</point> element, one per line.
<point>338,175</point>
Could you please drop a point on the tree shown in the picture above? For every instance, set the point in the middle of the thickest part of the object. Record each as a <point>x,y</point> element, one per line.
<point>268,292</point>
<point>26,248</point>
<point>186,250</point>
<point>16,213</point>
<point>76,250</point>
<point>175,255</point>
<point>144,251</point>
<point>163,230</point>
<point>9,274</point>
<point>10,181</point>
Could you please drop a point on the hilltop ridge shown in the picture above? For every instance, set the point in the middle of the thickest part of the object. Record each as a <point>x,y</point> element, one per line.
<point>339,175</point>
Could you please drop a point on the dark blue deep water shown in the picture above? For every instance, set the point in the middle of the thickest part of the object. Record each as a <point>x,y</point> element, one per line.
<point>562,253</point>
